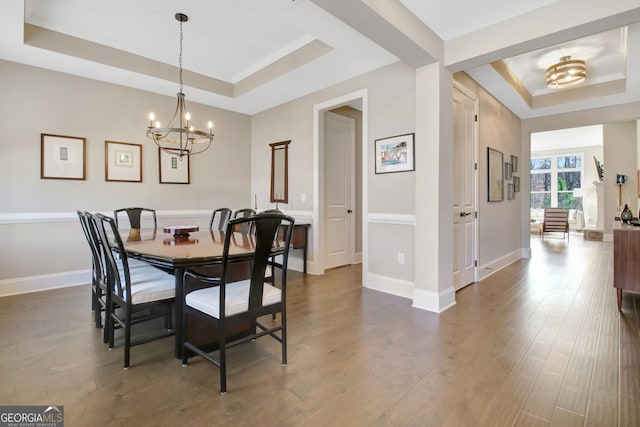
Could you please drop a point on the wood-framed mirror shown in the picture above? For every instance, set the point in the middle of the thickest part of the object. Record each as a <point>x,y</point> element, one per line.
<point>280,172</point>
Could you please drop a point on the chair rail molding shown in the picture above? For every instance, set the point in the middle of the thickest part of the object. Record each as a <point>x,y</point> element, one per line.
<point>54,217</point>
<point>392,218</point>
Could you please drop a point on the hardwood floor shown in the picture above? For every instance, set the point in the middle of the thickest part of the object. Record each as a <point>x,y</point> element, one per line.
<point>538,343</point>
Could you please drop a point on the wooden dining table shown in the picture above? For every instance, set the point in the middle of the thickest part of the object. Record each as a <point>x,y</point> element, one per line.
<point>176,254</point>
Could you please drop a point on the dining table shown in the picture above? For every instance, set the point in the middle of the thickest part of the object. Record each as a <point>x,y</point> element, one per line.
<point>172,252</point>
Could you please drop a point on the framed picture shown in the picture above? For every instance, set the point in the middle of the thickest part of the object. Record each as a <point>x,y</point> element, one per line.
<point>123,161</point>
<point>516,184</point>
<point>508,171</point>
<point>395,154</point>
<point>514,163</point>
<point>173,168</point>
<point>495,189</point>
<point>510,191</point>
<point>62,157</point>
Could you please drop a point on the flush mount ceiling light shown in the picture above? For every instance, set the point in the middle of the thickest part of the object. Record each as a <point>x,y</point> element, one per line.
<point>566,73</point>
<point>179,137</point>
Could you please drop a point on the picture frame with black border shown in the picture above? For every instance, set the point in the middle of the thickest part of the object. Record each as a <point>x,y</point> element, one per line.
<point>395,154</point>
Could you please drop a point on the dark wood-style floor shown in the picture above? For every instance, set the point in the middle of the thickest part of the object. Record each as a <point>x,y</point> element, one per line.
<point>538,343</point>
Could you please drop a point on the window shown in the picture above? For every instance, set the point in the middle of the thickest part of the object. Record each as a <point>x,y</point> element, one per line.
<point>553,179</point>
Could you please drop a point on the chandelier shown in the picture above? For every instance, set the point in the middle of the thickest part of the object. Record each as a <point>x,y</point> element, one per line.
<point>179,136</point>
<point>566,73</point>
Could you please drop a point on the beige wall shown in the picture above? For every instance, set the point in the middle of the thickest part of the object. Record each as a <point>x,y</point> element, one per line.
<point>37,101</point>
<point>391,108</point>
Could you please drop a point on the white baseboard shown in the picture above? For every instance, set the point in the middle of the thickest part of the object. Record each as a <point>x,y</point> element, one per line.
<point>525,252</point>
<point>24,285</point>
<point>489,268</point>
<point>389,285</point>
<point>436,302</point>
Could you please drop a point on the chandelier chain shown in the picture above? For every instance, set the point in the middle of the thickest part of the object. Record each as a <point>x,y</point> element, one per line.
<point>181,139</point>
<point>180,57</point>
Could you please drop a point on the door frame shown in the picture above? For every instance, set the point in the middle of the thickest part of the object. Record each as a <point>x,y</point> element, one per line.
<point>319,211</point>
<point>476,149</point>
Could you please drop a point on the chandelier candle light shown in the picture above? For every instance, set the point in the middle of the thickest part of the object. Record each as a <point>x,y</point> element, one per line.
<point>181,136</point>
<point>566,73</point>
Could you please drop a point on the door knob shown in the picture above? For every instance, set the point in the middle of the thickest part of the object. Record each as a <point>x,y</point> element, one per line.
<point>463,214</point>
<point>349,211</point>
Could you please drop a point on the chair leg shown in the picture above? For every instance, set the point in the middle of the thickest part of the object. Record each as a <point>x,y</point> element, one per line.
<point>185,333</point>
<point>110,324</point>
<point>223,363</point>
<point>106,331</point>
<point>97,310</point>
<point>283,318</point>
<point>127,338</point>
<point>168,318</point>
<point>93,295</point>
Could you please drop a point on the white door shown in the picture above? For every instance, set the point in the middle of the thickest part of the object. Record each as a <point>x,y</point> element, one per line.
<point>339,184</point>
<point>464,190</point>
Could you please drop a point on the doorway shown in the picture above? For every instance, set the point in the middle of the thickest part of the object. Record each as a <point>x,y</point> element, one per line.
<point>321,243</point>
<point>465,187</point>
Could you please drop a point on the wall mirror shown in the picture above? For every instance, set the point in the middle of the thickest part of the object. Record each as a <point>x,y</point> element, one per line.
<point>280,171</point>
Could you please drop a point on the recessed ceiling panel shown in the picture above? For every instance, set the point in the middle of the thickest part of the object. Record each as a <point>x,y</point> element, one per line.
<point>605,55</point>
<point>224,39</point>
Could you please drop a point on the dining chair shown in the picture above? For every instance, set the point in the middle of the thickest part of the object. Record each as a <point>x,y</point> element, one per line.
<point>136,216</point>
<point>245,228</point>
<point>133,296</point>
<point>229,305</point>
<point>219,218</point>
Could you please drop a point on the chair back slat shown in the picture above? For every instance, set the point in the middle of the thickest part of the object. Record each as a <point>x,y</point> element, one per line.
<point>220,217</point>
<point>135,216</point>
<point>244,227</point>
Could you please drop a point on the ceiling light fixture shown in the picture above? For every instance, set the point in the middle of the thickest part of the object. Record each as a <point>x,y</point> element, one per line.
<point>181,139</point>
<point>566,73</point>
